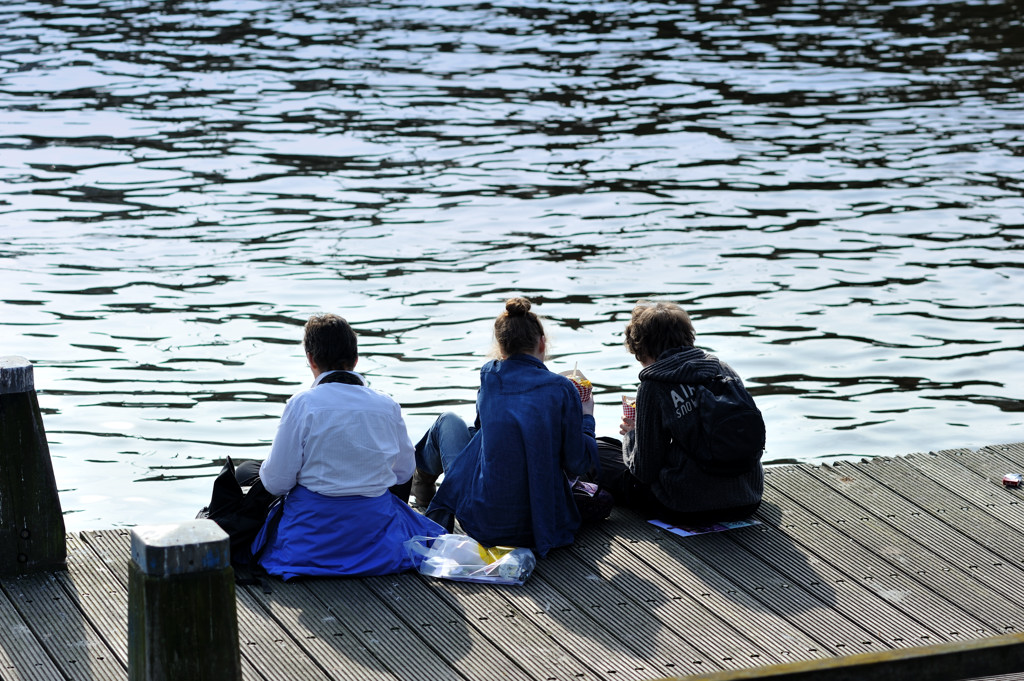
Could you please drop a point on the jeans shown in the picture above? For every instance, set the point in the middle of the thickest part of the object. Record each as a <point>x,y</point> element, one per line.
<point>442,444</point>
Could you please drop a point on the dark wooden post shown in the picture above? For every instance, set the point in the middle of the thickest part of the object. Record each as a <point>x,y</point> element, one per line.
<point>182,618</point>
<point>31,522</point>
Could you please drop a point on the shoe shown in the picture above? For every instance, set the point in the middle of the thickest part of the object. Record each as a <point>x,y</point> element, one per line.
<point>423,488</point>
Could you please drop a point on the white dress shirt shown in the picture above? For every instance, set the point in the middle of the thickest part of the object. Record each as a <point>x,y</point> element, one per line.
<point>338,439</point>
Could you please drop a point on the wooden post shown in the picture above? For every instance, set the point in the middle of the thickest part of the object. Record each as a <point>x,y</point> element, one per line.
<point>182,618</point>
<point>31,522</point>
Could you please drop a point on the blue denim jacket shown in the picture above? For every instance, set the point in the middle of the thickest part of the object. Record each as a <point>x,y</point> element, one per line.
<point>508,487</point>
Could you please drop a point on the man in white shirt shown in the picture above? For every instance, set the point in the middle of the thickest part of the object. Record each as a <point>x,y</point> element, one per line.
<point>342,438</point>
<point>339,447</point>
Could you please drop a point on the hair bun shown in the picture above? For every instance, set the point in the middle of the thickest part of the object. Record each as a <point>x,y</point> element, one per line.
<point>517,307</point>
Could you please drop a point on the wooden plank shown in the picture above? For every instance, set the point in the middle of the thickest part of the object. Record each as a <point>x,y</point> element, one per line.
<point>815,629</point>
<point>98,594</point>
<point>1013,450</point>
<point>473,629</point>
<point>798,564</point>
<point>946,662</point>
<point>962,534</point>
<point>534,638</point>
<point>834,555</point>
<point>22,655</point>
<point>855,542</point>
<point>835,633</point>
<point>112,548</point>
<point>562,620</point>
<point>269,648</point>
<point>406,652</point>
<point>319,632</point>
<point>592,586</point>
<point>272,637</point>
<point>674,586</point>
<point>975,477</point>
<point>78,651</point>
<point>990,463</point>
<point>858,493</point>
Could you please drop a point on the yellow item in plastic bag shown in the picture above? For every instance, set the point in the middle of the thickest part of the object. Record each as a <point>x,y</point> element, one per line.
<point>463,559</point>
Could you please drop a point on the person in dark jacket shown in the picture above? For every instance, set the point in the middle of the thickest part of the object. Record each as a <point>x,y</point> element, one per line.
<point>657,473</point>
<point>507,480</point>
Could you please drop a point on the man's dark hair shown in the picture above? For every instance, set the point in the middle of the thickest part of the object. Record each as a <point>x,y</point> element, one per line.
<point>657,327</point>
<point>331,342</point>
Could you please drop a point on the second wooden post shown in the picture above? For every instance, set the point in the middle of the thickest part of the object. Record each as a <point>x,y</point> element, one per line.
<point>182,618</point>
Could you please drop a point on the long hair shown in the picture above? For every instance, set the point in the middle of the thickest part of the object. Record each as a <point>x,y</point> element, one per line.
<point>517,330</point>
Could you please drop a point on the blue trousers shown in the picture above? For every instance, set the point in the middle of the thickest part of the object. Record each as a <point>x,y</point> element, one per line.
<point>443,443</point>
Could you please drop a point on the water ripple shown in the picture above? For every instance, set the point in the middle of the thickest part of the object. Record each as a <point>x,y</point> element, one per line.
<point>833,190</point>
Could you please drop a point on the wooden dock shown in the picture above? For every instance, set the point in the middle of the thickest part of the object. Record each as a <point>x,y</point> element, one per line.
<point>852,558</point>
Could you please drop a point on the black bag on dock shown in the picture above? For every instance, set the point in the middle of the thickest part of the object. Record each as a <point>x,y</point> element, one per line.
<point>239,513</point>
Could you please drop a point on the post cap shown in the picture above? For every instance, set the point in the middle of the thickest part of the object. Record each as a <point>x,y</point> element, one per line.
<point>15,375</point>
<point>195,546</point>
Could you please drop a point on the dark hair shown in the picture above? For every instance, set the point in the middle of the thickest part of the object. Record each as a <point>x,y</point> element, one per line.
<point>657,327</point>
<point>517,330</point>
<point>331,342</point>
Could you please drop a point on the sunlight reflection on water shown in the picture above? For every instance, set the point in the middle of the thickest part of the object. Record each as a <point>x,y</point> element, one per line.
<point>833,191</point>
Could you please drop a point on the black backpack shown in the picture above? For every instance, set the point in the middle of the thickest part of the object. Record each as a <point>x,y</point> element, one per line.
<point>239,513</point>
<point>731,433</point>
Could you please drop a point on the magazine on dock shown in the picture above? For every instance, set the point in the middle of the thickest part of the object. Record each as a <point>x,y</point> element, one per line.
<point>716,527</point>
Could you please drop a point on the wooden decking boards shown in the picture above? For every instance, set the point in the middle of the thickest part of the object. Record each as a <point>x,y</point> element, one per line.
<point>851,558</point>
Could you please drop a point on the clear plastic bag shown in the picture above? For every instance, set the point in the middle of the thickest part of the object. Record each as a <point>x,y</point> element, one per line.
<point>463,559</point>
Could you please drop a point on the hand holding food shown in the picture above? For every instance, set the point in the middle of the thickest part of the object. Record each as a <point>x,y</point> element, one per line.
<point>629,406</point>
<point>583,385</point>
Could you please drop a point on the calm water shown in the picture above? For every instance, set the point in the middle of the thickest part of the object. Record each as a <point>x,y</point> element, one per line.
<point>834,190</point>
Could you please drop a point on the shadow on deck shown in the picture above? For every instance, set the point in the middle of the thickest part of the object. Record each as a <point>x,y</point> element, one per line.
<point>883,555</point>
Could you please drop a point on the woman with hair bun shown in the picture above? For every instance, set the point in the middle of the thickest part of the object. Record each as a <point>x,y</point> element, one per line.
<point>506,479</point>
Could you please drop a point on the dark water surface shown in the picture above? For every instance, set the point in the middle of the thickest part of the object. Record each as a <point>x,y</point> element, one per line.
<point>833,189</point>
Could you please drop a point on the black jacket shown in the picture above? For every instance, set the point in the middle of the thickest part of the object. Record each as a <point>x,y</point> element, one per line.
<point>658,451</point>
